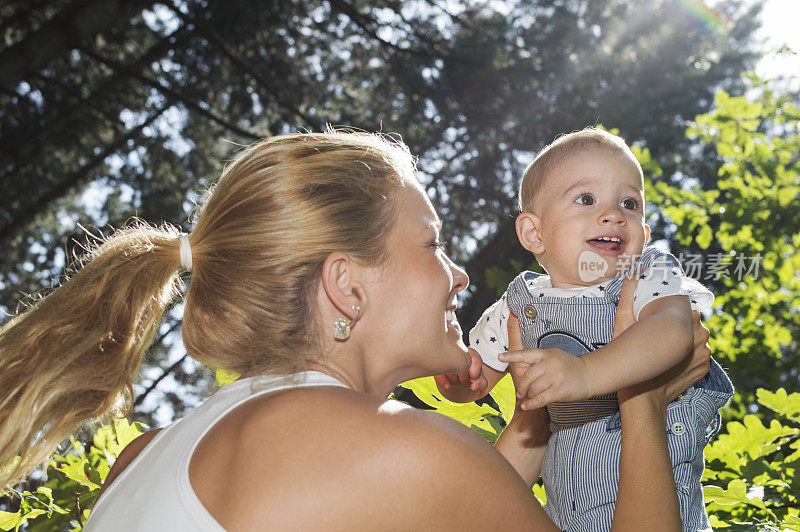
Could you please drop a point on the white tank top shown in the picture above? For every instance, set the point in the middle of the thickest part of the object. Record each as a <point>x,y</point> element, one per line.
<point>153,492</point>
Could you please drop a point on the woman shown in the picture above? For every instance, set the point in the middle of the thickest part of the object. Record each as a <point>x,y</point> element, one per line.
<point>317,253</point>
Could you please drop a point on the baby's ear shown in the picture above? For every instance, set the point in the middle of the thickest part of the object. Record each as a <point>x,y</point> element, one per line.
<point>529,234</point>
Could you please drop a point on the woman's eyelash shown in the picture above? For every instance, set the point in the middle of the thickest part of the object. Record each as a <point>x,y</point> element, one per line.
<point>438,244</point>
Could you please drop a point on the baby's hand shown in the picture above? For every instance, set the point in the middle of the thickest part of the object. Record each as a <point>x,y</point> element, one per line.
<point>551,375</point>
<point>473,377</point>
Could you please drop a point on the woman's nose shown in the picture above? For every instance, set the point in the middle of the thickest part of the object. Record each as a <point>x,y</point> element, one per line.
<point>460,277</point>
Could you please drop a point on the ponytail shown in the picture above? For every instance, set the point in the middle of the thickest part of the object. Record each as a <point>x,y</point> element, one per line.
<point>73,355</point>
<point>263,233</point>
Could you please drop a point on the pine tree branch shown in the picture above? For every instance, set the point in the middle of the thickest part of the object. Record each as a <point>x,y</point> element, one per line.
<point>370,26</point>
<point>23,147</point>
<point>246,66</point>
<point>140,399</point>
<point>73,26</point>
<point>16,222</point>
<point>171,95</point>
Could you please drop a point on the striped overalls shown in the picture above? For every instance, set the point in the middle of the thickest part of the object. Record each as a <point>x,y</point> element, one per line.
<point>581,466</point>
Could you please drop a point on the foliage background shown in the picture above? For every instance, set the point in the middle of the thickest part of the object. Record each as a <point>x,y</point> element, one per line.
<point>112,109</point>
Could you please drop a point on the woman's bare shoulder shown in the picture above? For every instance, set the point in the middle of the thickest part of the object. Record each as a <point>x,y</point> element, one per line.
<point>328,455</point>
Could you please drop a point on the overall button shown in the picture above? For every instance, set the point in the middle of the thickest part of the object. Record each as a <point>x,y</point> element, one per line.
<point>529,311</point>
<point>677,428</point>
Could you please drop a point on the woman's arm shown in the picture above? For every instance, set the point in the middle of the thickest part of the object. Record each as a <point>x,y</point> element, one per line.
<point>524,441</point>
<point>646,480</point>
<point>646,496</point>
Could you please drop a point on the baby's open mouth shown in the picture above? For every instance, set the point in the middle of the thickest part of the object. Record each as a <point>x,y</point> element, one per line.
<point>608,243</point>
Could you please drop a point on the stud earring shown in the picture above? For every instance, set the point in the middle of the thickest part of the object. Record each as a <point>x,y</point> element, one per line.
<point>342,325</point>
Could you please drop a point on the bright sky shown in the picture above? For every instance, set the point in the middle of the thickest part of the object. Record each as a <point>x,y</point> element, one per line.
<point>780,26</point>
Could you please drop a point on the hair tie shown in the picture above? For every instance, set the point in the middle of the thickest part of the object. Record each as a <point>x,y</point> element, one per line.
<point>186,252</point>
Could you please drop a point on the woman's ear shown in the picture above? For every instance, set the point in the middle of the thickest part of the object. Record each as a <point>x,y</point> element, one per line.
<point>646,234</point>
<point>341,282</point>
<point>529,234</point>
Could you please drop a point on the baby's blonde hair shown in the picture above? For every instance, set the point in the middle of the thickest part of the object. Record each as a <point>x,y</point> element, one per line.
<point>553,154</point>
<point>279,209</point>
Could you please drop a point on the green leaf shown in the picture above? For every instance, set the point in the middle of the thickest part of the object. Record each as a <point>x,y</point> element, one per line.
<point>115,437</point>
<point>51,506</point>
<point>505,397</point>
<point>735,494</point>
<point>75,470</point>
<point>222,377</point>
<point>754,438</point>
<point>10,520</point>
<point>791,522</point>
<point>779,401</point>
<point>716,522</point>
<point>704,237</point>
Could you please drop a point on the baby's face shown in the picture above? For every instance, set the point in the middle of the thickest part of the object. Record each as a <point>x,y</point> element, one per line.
<point>592,218</point>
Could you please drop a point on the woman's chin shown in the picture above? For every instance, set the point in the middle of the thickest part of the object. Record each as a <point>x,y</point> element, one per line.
<point>465,359</point>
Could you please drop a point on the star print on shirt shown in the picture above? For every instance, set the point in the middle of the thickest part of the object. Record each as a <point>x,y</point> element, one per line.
<point>655,294</point>
<point>492,339</point>
<point>601,288</point>
<point>665,282</point>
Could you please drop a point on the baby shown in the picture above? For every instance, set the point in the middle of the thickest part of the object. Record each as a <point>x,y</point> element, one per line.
<point>582,203</point>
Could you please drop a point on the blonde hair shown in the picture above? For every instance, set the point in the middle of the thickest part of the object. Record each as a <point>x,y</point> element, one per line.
<point>261,237</point>
<point>553,154</point>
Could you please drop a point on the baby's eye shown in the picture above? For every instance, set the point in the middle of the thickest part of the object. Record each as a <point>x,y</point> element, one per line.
<point>630,203</point>
<point>585,199</point>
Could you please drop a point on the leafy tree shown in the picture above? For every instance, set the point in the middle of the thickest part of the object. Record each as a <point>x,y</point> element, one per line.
<point>122,115</point>
<point>745,229</point>
<point>755,469</point>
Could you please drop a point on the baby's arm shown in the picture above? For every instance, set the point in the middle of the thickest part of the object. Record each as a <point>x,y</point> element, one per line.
<point>658,341</point>
<point>460,388</point>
